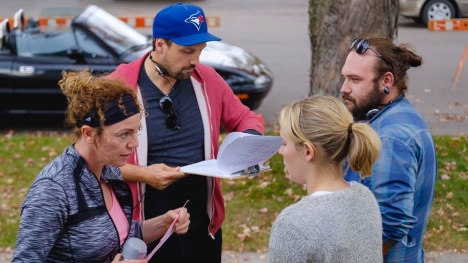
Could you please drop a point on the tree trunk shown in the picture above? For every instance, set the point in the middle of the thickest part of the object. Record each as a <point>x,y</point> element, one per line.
<point>333,25</point>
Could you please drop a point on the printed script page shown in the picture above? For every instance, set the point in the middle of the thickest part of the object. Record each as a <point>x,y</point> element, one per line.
<point>237,152</point>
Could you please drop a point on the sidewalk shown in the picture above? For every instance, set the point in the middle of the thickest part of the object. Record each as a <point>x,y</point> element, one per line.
<point>432,257</point>
<point>234,257</point>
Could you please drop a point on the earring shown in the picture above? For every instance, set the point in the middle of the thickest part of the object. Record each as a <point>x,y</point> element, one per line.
<point>386,90</point>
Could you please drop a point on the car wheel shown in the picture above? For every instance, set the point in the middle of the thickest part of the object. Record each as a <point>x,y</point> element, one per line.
<point>437,10</point>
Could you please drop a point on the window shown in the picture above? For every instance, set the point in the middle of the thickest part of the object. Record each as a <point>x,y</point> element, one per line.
<point>49,44</point>
<point>89,47</point>
<point>58,44</point>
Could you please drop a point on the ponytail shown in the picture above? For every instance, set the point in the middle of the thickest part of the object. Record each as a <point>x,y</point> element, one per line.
<point>363,149</point>
<point>327,124</point>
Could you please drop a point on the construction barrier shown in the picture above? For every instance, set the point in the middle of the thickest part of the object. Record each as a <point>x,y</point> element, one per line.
<point>133,21</point>
<point>147,21</point>
<point>448,25</point>
<point>459,69</point>
<point>452,25</point>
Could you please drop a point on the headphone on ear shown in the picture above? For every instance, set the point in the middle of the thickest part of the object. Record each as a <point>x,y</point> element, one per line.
<point>157,67</point>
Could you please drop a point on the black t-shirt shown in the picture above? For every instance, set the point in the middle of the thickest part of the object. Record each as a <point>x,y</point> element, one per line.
<point>175,148</point>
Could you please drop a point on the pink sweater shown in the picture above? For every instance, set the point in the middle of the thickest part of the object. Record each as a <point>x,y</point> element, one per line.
<point>218,105</point>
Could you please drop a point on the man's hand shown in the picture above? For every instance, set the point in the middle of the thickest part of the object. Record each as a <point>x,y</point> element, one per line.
<point>182,224</point>
<point>158,176</point>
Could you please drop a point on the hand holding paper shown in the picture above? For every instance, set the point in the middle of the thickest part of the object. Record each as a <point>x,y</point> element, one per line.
<point>168,233</point>
<point>238,151</point>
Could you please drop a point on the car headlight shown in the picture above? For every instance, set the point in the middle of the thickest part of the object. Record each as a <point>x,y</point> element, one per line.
<point>261,80</point>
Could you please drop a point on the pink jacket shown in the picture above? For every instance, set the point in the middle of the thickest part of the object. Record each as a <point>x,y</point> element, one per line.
<point>218,107</point>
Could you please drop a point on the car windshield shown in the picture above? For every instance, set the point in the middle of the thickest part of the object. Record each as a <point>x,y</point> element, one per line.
<point>112,30</point>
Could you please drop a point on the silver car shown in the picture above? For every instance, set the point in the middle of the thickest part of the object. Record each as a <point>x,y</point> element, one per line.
<point>425,10</point>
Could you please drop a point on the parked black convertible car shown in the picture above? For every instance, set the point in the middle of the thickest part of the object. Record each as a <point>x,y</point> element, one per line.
<point>32,59</point>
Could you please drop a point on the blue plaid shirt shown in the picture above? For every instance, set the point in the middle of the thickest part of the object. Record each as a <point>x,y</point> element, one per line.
<point>403,179</point>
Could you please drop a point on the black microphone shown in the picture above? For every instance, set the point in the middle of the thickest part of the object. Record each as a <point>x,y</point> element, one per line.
<point>133,249</point>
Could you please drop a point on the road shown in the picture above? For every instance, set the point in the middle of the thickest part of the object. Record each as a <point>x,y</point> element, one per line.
<point>277,32</point>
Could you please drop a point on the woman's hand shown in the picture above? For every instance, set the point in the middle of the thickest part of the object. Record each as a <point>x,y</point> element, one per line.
<point>182,223</point>
<point>156,227</point>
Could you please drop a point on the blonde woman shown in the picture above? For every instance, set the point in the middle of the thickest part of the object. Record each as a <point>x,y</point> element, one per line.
<point>337,221</point>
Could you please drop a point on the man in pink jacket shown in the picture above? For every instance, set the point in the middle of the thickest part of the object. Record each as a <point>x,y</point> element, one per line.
<point>186,105</point>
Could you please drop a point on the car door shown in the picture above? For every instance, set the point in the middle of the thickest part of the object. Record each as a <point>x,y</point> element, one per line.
<point>41,58</point>
<point>6,80</point>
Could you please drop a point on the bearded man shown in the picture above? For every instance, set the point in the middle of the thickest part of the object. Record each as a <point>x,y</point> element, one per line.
<point>403,180</point>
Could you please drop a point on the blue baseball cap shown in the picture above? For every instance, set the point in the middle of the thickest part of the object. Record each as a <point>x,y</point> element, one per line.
<point>183,24</point>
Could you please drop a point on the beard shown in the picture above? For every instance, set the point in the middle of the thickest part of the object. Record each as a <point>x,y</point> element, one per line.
<point>177,75</point>
<point>372,100</point>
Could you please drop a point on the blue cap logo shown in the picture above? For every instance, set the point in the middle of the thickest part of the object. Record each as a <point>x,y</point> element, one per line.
<point>196,19</point>
<point>175,23</point>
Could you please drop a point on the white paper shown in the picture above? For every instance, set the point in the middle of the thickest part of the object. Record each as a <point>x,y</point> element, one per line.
<point>237,152</point>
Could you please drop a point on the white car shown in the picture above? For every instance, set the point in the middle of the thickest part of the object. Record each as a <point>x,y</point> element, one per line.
<point>425,10</point>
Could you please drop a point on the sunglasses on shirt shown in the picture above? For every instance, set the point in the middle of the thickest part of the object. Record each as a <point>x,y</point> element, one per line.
<point>361,45</point>
<point>172,122</point>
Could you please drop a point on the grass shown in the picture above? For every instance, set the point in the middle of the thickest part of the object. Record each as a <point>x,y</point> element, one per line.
<point>252,204</point>
<point>21,159</point>
<point>448,224</point>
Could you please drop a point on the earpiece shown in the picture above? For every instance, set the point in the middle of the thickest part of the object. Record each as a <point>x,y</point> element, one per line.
<point>386,90</point>
<point>157,67</point>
